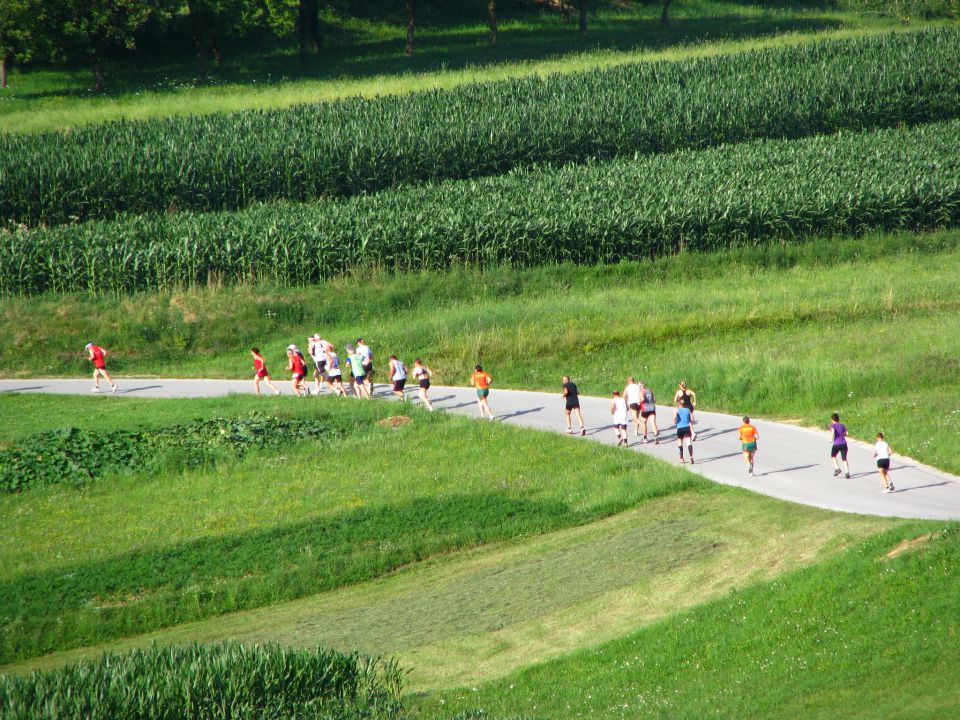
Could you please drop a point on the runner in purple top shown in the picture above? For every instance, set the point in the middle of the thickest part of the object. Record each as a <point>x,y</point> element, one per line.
<point>839,445</point>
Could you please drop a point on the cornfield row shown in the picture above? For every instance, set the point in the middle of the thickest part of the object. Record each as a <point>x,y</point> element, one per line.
<point>223,162</point>
<point>209,682</point>
<point>597,212</point>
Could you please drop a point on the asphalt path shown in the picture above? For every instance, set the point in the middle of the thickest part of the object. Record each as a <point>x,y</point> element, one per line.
<point>792,463</point>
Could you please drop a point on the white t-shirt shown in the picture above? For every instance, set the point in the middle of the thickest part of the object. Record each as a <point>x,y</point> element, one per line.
<point>632,394</point>
<point>882,450</point>
<point>399,371</point>
<point>619,411</point>
<point>363,350</point>
<point>318,350</point>
<point>333,364</point>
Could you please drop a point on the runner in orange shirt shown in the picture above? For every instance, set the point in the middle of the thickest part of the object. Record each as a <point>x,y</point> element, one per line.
<point>481,381</point>
<point>748,443</point>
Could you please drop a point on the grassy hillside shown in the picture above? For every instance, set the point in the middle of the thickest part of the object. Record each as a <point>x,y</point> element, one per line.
<point>365,58</point>
<point>871,318</point>
<point>868,634</point>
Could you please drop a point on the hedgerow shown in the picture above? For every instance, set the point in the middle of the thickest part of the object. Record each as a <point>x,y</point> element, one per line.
<point>228,161</point>
<point>75,457</point>
<point>597,212</point>
<point>228,681</point>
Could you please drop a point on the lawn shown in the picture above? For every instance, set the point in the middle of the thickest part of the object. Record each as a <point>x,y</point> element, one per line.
<point>365,58</point>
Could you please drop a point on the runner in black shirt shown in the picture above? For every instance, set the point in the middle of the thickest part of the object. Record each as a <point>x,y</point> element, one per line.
<point>572,397</point>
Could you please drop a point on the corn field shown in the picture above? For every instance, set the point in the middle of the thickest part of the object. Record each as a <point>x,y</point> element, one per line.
<point>213,682</point>
<point>230,161</point>
<point>597,212</point>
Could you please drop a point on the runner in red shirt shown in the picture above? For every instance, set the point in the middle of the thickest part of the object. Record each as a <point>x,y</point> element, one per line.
<point>298,368</point>
<point>98,356</point>
<point>260,370</point>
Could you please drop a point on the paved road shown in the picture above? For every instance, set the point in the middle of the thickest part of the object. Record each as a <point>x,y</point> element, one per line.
<point>793,463</point>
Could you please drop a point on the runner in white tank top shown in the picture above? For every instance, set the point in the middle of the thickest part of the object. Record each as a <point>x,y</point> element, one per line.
<point>618,409</point>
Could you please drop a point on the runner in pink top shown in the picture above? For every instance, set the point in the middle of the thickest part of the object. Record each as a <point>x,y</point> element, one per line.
<point>98,356</point>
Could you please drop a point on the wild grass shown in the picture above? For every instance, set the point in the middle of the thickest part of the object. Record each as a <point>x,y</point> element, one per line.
<point>134,554</point>
<point>868,633</point>
<point>364,58</point>
<point>795,331</point>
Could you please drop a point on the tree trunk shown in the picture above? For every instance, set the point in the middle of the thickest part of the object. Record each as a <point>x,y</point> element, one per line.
<point>664,16</point>
<point>201,58</point>
<point>215,46</point>
<point>3,73</point>
<point>583,17</point>
<point>314,16</point>
<point>98,75</point>
<point>303,30</point>
<point>411,18</point>
<point>492,10</point>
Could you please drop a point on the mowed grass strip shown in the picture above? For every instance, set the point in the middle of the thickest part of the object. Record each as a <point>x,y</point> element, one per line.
<point>484,613</point>
<point>860,326</point>
<point>221,162</point>
<point>870,631</point>
<point>132,555</point>
<point>600,212</point>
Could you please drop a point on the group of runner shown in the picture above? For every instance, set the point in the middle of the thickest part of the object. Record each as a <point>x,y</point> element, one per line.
<point>636,404</point>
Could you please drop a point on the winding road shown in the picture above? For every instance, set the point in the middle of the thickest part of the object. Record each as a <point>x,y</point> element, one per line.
<point>793,463</point>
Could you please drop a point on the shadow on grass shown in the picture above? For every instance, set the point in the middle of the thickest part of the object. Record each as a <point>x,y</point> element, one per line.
<point>435,52</point>
<point>135,592</point>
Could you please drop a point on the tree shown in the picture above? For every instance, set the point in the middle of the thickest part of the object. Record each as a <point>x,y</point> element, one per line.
<point>411,7</point>
<point>284,17</point>
<point>664,16</point>
<point>582,7</point>
<point>15,32</point>
<point>492,12</point>
<point>92,30</point>
<point>210,20</point>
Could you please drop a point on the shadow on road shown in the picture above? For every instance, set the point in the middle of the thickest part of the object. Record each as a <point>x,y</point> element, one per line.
<point>518,413</point>
<point>24,389</point>
<point>786,470</point>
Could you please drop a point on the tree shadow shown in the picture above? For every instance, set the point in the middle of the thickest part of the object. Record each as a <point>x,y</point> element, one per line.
<point>259,60</point>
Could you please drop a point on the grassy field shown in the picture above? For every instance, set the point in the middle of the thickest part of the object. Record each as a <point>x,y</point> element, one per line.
<point>868,634</point>
<point>365,58</point>
<point>133,553</point>
<point>870,314</point>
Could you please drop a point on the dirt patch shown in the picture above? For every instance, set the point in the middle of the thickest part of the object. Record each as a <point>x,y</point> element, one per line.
<point>394,421</point>
<point>908,545</point>
<point>116,602</point>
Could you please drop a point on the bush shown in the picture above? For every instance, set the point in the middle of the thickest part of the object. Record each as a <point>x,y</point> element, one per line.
<point>75,457</point>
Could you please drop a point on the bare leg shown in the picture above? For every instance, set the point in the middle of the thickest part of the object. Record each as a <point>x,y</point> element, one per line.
<point>583,427</point>
<point>256,384</point>
<point>271,386</point>
<point>569,425</point>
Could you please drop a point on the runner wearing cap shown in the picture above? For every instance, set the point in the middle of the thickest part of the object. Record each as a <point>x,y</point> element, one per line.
<point>481,381</point>
<point>358,376</point>
<point>297,368</point>
<point>260,372</point>
<point>98,356</point>
<point>422,374</point>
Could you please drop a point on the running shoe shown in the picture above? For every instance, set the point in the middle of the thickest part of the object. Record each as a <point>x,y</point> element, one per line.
<point>848,476</point>
<point>94,389</point>
<point>692,461</point>
<point>682,460</point>
<point>113,388</point>
<point>836,472</point>
<point>583,431</point>
<point>887,490</point>
<point>656,441</point>
<point>892,488</point>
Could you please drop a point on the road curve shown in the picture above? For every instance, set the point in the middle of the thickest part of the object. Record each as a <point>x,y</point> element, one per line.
<point>793,463</point>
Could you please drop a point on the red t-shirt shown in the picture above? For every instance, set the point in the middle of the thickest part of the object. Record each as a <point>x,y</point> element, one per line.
<point>296,364</point>
<point>97,356</point>
<point>260,366</point>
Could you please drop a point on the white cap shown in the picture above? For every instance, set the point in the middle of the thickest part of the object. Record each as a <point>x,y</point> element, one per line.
<point>88,346</point>
<point>316,336</point>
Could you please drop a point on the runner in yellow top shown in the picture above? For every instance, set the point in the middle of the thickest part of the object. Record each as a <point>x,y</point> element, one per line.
<point>748,443</point>
<point>481,381</point>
